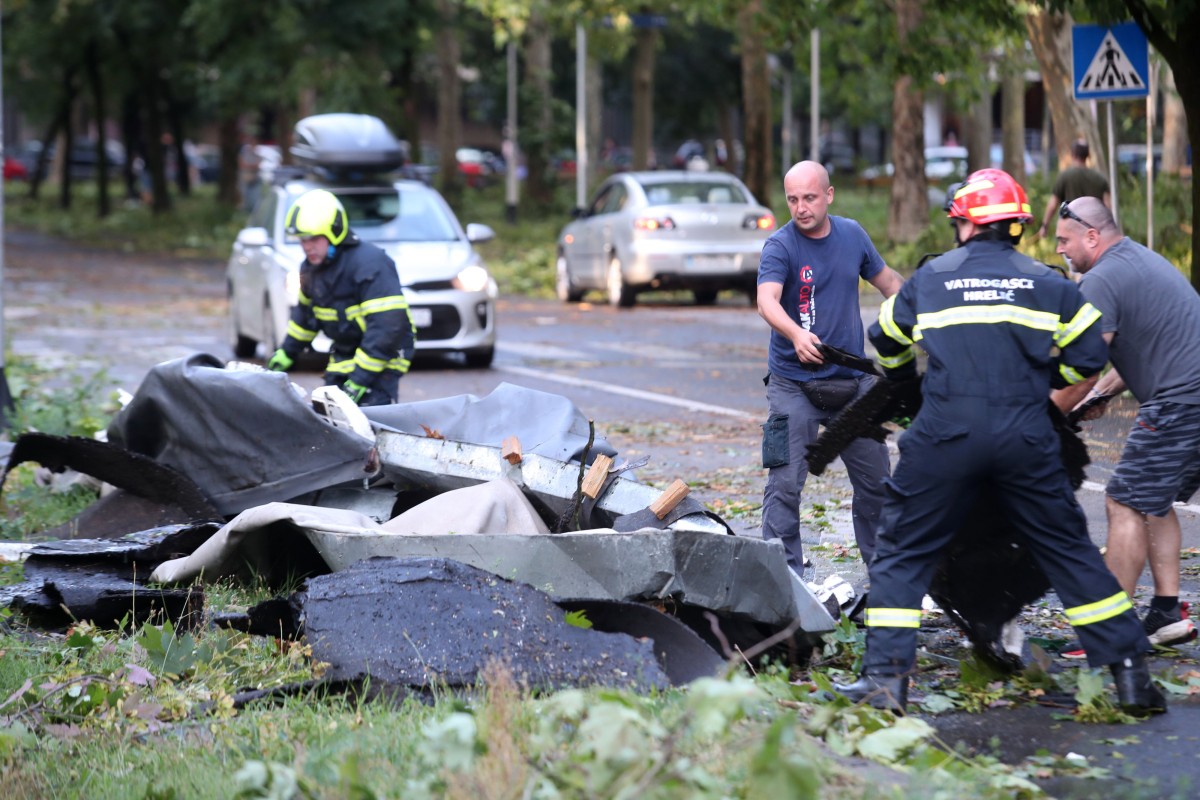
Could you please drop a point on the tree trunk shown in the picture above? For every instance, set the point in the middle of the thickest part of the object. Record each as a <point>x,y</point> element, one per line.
<point>183,178</point>
<point>449,122</point>
<point>1174,144</point>
<point>756,99</point>
<point>1012,117</point>
<point>1177,47</point>
<point>977,133</point>
<point>229,143</point>
<point>66,143</point>
<point>41,167</point>
<point>96,83</point>
<point>537,141</point>
<point>1050,36</point>
<point>132,139</point>
<point>646,42</point>
<point>908,212</point>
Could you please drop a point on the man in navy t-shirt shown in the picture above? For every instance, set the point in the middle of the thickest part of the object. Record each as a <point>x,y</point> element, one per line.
<point>808,280</point>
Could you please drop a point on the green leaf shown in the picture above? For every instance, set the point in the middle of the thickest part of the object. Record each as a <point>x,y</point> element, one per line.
<point>890,744</point>
<point>578,619</point>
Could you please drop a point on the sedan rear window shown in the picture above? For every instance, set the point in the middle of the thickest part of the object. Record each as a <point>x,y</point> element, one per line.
<point>661,194</point>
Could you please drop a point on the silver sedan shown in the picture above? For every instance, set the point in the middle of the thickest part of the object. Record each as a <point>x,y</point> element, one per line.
<point>702,231</point>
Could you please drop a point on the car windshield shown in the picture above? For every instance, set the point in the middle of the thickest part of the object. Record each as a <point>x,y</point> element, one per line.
<point>395,216</point>
<point>662,194</point>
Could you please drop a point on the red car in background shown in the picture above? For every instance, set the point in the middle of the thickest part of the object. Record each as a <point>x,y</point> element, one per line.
<point>14,170</point>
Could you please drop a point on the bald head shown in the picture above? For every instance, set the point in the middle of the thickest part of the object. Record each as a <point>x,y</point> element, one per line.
<point>806,187</point>
<point>808,171</point>
<point>1085,230</point>
<point>1093,210</point>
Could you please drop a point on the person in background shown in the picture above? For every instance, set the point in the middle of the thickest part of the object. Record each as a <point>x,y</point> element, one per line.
<point>808,282</point>
<point>350,291</point>
<point>1151,320</point>
<point>999,329</point>
<point>1077,180</point>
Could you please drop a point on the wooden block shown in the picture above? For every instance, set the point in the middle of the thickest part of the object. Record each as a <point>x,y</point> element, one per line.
<point>670,498</point>
<point>593,481</point>
<point>510,450</point>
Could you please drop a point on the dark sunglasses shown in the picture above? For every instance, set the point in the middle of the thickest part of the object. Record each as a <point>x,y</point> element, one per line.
<point>1065,212</point>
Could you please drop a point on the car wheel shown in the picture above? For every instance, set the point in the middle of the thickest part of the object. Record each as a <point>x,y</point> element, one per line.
<point>704,297</point>
<point>566,290</point>
<point>619,293</point>
<point>243,346</point>
<point>480,359</point>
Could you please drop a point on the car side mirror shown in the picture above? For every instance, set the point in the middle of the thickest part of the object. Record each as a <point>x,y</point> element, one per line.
<point>478,232</point>
<point>254,237</point>
<point>578,213</point>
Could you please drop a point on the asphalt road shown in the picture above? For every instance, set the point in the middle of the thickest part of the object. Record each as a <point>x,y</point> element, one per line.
<point>678,383</point>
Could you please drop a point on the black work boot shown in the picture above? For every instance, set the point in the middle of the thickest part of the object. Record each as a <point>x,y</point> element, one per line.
<point>886,692</point>
<point>1136,691</point>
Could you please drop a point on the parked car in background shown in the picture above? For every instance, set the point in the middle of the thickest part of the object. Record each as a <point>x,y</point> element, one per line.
<point>83,159</point>
<point>451,295</point>
<point>702,231</point>
<point>14,170</point>
<point>944,164</point>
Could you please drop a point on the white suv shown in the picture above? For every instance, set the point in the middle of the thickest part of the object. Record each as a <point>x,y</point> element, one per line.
<point>451,295</point>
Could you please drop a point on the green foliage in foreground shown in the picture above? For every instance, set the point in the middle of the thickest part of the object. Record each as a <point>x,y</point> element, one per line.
<point>150,713</point>
<point>47,402</point>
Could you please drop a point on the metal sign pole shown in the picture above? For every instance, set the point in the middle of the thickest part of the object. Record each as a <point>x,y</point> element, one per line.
<point>1112,163</point>
<point>6,401</point>
<point>581,152</point>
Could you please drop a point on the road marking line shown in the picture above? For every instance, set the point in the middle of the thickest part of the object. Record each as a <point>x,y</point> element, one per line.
<point>653,397</point>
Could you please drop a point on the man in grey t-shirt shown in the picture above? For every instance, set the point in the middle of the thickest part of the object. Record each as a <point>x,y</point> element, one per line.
<point>1151,319</point>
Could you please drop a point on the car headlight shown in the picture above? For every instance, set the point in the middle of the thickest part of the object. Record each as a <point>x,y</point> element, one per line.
<point>472,279</point>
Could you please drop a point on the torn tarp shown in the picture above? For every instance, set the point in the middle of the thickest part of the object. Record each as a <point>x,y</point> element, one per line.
<point>546,424</point>
<point>244,437</point>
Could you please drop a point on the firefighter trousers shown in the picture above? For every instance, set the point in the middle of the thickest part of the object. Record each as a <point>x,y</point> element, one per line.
<point>945,460</point>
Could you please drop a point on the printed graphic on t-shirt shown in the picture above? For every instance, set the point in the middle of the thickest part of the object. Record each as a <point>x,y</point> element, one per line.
<point>807,305</point>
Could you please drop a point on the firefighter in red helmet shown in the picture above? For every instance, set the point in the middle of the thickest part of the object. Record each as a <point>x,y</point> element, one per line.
<point>999,330</point>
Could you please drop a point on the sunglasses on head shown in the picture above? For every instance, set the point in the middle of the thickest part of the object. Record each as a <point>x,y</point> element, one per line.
<point>1065,212</point>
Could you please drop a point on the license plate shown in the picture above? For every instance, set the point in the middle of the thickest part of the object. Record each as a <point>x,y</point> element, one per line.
<point>711,263</point>
<point>421,317</point>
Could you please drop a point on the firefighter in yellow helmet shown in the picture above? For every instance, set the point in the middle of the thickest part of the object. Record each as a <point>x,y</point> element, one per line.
<point>1000,330</point>
<point>350,291</point>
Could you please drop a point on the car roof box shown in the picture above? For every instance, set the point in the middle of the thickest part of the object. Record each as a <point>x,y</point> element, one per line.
<point>347,142</point>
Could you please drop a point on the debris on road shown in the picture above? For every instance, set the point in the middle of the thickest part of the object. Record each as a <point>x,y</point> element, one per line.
<point>305,490</point>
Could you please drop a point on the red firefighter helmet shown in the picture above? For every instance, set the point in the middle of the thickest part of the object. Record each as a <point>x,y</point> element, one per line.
<point>988,195</point>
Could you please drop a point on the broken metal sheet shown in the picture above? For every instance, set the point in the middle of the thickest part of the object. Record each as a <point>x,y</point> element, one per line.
<point>732,575</point>
<point>244,437</point>
<point>683,655</point>
<point>103,580</point>
<point>546,424</point>
<point>549,483</point>
<point>497,507</point>
<point>434,623</point>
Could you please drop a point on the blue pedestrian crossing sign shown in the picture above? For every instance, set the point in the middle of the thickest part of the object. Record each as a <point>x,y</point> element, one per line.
<point>1109,63</point>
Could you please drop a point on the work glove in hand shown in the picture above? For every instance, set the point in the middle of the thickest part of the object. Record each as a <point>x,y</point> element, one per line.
<point>280,361</point>
<point>355,391</point>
